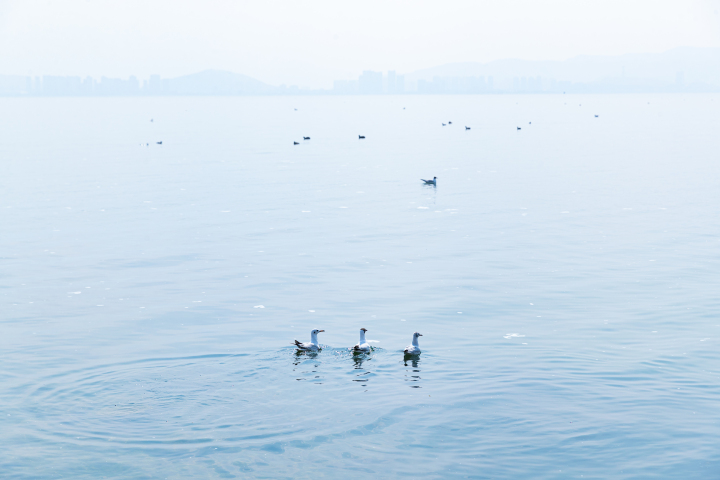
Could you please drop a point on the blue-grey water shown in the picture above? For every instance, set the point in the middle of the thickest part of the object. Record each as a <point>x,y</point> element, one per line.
<point>564,277</point>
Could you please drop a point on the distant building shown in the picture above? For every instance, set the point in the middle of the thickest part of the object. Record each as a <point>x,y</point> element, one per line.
<point>400,84</point>
<point>154,85</point>
<point>14,85</point>
<point>390,82</point>
<point>370,82</point>
<point>345,87</point>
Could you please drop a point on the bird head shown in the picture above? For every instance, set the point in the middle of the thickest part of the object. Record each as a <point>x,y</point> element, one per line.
<point>316,331</point>
<point>416,334</point>
<point>364,329</point>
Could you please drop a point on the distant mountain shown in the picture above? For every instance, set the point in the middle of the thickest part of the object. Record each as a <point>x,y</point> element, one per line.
<point>217,82</point>
<point>684,65</point>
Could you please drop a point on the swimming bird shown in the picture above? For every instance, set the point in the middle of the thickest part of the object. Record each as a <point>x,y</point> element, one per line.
<point>596,116</point>
<point>519,128</point>
<point>467,128</point>
<point>296,143</point>
<point>361,136</point>
<point>443,124</point>
<point>159,143</point>
<point>449,123</point>
<point>306,138</point>
<point>430,182</point>
<point>362,345</point>
<point>414,349</point>
<point>312,344</point>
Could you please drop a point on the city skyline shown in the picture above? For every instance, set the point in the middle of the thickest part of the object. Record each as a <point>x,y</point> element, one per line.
<point>680,69</point>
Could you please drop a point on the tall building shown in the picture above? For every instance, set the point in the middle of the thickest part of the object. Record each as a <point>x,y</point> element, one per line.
<point>155,85</point>
<point>400,84</point>
<point>370,82</point>
<point>391,82</point>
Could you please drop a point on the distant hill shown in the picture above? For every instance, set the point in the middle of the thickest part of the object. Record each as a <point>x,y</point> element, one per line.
<point>217,82</point>
<point>685,66</point>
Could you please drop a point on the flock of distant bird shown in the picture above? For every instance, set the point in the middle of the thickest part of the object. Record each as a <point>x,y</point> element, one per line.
<point>361,347</point>
<point>361,137</point>
<point>443,124</point>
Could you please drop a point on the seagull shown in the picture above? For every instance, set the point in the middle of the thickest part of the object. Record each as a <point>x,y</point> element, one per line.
<point>159,143</point>
<point>312,345</point>
<point>414,349</point>
<point>443,124</point>
<point>519,128</point>
<point>296,143</point>
<point>467,128</point>
<point>596,116</point>
<point>361,136</point>
<point>306,138</point>
<point>430,182</point>
<point>449,123</point>
<point>362,345</point>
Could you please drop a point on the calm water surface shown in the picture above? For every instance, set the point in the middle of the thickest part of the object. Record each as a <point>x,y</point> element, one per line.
<point>564,276</point>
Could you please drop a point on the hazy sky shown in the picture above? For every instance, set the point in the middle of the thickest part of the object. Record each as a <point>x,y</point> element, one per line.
<point>313,42</point>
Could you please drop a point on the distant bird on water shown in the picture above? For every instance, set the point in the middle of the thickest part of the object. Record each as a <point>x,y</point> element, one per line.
<point>306,138</point>
<point>159,143</point>
<point>443,124</point>
<point>361,137</point>
<point>296,143</point>
<point>430,182</point>
<point>449,123</point>
<point>467,128</point>
<point>151,120</point>
<point>312,345</point>
<point>596,116</point>
<point>519,128</point>
<point>413,349</point>
<point>362,345</point>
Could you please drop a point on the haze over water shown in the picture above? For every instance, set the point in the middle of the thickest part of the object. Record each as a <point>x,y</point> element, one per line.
<point>564,277</point>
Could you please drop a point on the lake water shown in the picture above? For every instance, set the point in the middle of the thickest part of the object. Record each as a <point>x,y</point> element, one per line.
<point>564,277</point>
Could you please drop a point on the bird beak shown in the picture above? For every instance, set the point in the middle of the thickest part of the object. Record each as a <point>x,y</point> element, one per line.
<point>320,331</point>
<point>420,334</point>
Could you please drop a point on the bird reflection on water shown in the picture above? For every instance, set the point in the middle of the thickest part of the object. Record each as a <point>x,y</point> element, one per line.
<point>412,373</point>
<point>301,357</point>
<point>363,375</point>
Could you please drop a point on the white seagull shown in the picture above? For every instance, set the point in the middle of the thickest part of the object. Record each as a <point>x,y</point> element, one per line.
<point>430,182</point>
<point>414,349</point>
<point>362,345</point>
<point>312,344</point>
